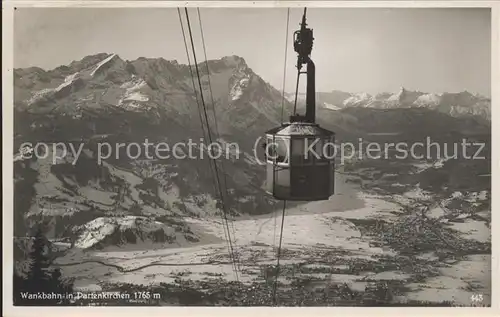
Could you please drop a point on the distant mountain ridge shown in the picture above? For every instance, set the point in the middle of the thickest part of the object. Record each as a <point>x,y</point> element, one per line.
<point>455,104</point>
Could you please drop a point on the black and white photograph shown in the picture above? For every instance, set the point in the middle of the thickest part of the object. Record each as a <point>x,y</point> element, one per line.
<point>251,156</point>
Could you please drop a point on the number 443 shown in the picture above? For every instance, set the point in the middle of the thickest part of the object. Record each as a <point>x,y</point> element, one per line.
<point>476,298</point>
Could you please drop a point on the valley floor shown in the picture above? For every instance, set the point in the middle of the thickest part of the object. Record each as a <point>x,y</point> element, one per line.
<point>328,243</point>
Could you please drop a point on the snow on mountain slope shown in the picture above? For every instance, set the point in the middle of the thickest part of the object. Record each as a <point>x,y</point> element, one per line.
<point>103,64</point>
<point>331,107</point>
<point>71,83</point>
<point>482,109</point>
<point>240,78</point>
<point>136,95</point>
<point>104,231</point>
<point>403,98</point>
<point>238,88</point>
<point>357,100</point>
<point>428,100</point>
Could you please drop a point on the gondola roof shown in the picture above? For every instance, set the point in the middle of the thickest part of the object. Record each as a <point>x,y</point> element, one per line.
<point>300,128</point>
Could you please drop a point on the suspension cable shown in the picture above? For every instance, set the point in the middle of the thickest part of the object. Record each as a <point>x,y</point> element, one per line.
<point>196,96</point>
<point>210,140</point>
<point>224,177</point>
<point>279,254</point>
<point>191,70</point>
<point>200,116</point>
<point>275,214</point>
<point>284,68</point>
<point>203,133</point>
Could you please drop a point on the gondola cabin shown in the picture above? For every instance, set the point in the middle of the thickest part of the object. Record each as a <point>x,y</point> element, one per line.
<point>300,162</point>
<point>300,154</point>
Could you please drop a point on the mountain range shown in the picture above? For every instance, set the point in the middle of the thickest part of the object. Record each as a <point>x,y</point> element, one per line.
<point>103,98</point>
<point>455,104</point>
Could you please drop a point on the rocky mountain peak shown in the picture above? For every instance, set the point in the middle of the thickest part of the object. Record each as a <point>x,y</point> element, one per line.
<point>234,61</point>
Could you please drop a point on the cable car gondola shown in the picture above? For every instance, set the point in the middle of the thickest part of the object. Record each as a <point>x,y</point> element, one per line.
<point>300,153</point>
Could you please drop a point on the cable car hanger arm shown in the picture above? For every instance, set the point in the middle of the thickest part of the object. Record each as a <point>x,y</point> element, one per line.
<point>303,44</point>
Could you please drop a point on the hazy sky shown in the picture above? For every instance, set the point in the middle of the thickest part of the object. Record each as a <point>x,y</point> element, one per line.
<point>355,50</point>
